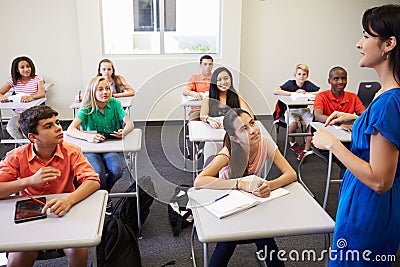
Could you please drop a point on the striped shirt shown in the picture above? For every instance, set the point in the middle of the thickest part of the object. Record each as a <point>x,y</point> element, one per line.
<point>30,88</point>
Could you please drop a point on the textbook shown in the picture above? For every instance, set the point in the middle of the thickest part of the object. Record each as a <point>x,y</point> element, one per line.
<point>302,97</point>
<point>223,203</point>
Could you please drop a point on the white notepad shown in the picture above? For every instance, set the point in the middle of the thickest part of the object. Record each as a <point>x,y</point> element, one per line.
<point>17,97</point>
<point>302,97</point>
<point>223,203</point>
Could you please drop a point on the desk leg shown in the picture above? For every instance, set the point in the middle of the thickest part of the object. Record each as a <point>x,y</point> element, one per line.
<point>1,125</point>
<point>194,160</point>
<point>328,179</point>
<point>133,159</point>
<point>192,245</point>
<point>185,147</point>
<point>327,244</point>
<point>205,254</point>
<point>287,131</point>
<point>94,257</point>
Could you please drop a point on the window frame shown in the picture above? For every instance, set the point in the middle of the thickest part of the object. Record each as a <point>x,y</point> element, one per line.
<point>162,32</point>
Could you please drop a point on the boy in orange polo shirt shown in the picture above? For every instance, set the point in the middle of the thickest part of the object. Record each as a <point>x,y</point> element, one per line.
<point>47,165</point>
<point>199,84</point>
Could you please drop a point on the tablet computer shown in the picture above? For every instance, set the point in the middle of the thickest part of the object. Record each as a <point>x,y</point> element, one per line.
<point>29,210</point>
<point>108,135</point>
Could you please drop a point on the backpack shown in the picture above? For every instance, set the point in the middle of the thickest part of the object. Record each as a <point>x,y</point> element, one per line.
<point>280,109</point>
<point>180,216</point>
<point>119,244</point>
<point>127,205</point>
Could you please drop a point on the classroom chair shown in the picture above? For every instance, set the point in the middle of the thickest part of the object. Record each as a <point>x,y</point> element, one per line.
<point>367,91</point>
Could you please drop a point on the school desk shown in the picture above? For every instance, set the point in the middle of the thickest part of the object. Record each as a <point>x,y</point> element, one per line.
<point>130,145</point>
<point>186,102</point>
<point>292,104</point>
<point>82,226</point>
<point>18,105</point>
<point>294,214</point>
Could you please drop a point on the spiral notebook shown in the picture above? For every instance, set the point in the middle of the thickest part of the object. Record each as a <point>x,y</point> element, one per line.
<point>223,203</point>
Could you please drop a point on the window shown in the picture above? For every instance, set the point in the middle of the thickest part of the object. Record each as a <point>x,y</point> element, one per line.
<point>161,26</point>
<point>146,14</point>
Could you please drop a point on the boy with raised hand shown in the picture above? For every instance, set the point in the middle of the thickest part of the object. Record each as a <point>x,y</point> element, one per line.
<point>47,165</point>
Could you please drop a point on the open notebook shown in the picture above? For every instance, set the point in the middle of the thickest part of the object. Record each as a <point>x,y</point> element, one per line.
<point>223,203</point>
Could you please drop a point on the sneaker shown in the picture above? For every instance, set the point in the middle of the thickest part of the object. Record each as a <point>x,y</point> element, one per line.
<point>199,154</point>
<point>300,156</point>
<point>296,148</point>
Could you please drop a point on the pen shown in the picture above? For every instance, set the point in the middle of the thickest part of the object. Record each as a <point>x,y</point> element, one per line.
<point>221,197</point>
<point>36,200</point>
<point>79,96</point>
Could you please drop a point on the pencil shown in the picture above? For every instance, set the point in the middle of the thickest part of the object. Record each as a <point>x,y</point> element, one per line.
<point>37,200</point>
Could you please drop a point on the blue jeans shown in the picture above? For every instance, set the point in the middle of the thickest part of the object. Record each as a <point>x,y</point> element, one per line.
<point>109,166</point>
<point>224,250</point>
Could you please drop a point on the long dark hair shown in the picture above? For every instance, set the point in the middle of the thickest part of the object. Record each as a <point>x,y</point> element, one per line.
<point>15,75</point>
<point>239,158</point>
<point>384,22</point>
<point>232,99</point>
<point>119,87</point>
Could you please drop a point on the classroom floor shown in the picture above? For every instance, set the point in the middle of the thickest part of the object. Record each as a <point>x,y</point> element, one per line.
<point>161,158</point>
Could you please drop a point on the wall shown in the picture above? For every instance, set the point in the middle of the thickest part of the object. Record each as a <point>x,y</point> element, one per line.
<point>262,40</point>
<point>277,35</point>
<point>158,79</point>
<point>63,38</point>
<point>46,31</point>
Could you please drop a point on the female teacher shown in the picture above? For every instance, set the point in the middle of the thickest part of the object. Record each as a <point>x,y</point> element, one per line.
<point>368,216</point>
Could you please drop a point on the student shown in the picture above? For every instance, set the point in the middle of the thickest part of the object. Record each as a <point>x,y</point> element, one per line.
<point>302,114</point>
<point>24,81</point>
<point>245,152</point>
<point>47,165</point>
<point>368,217</point>
<point>222,97</point>
<point>199,84</point>
<point>337,99</point>
<point>101,113</point>
<point>118,84</point>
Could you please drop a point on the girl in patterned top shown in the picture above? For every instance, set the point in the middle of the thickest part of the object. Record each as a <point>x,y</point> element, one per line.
<point>25,82</point>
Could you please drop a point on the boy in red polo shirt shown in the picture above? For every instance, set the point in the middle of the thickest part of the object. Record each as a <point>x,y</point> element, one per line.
<point>47,165</point>
<point>329,101</point>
